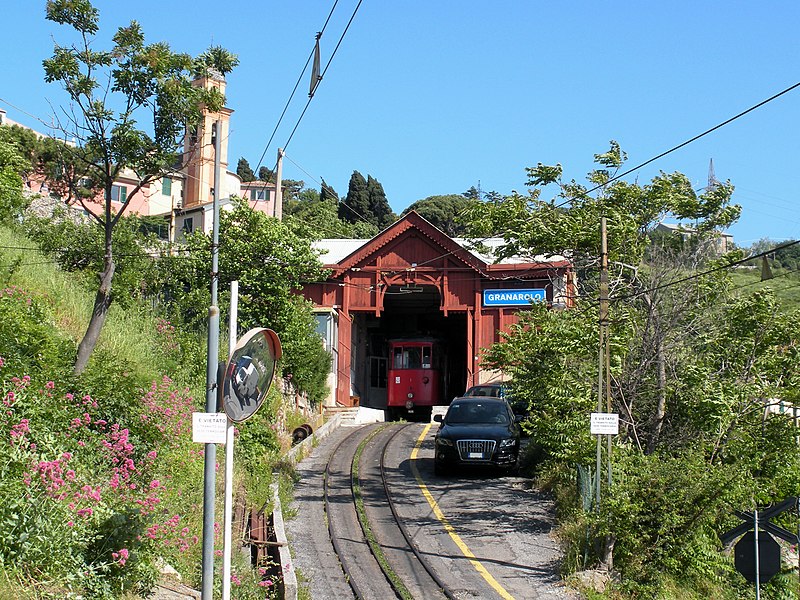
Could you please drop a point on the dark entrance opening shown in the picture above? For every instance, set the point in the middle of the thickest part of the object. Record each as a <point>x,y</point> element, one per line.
<point>409,311</point>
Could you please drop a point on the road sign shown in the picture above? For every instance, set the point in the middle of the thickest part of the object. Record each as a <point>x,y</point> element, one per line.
<point>769,556</point>
<point>764,516</point>
<point>249,374</point>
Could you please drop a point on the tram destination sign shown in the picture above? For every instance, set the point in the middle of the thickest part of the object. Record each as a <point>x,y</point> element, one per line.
<point>513,297</point>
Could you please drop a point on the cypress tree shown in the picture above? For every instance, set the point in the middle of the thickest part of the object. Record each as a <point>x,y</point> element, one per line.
<point>244,171</point>
<point>356,204</point>
<point>378,204</point>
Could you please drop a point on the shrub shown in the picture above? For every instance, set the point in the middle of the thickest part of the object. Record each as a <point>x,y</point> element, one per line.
<point>91,509</point>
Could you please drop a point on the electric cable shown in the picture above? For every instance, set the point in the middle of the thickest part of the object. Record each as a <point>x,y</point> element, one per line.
<point>686,143</point>
<point>296,85</point>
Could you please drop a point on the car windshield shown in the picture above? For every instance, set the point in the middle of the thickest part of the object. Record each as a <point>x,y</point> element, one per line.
<point>477,412</point>
<point>485,390</point>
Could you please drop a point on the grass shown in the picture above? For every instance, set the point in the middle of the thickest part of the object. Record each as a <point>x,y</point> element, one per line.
<point>128,333</point>
<point>785,284</point>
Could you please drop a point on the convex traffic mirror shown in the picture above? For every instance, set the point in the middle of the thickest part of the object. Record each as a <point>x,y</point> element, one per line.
<point>250,372</point>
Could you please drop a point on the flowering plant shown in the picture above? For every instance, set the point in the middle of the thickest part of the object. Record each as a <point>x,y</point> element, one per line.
<point>87,509</point>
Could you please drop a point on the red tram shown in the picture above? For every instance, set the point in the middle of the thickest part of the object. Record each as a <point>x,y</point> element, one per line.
<point>415,378</point>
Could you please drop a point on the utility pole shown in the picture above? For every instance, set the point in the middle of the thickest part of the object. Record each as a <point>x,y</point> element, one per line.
<point>209,472</point>
<point>278,212</point>
<point>604,324</point>
<point>603,378</point>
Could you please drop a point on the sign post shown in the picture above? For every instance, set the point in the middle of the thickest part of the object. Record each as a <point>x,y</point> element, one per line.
<point>248,377</point>
<point>757,556</point>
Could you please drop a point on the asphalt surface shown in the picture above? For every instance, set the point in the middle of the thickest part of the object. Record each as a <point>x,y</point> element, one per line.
<point>502,522</point>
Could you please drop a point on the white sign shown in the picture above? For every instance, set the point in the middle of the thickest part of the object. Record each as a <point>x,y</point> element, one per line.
<point>209,428</point>
<point>605,423</point>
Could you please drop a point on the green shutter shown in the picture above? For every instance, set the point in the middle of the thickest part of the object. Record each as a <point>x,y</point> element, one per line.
<point>123,194</point>
<point>166,186</point>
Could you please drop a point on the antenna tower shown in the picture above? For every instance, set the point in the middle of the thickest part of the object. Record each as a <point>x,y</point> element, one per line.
<point>713,182</point>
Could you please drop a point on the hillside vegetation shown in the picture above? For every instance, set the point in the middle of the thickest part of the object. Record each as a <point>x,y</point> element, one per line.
<point>100,480</point>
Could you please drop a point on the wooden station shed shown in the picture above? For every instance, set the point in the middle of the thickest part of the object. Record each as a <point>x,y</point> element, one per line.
<point>414,280</point>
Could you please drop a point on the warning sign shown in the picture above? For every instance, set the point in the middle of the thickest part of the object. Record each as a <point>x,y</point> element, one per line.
<point>605,424</point>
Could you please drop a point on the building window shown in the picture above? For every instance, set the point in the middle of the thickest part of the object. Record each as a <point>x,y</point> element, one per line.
<point>166,186</point>
<point>119,193</point>
<point>188,225</point>
<point>258,194</point>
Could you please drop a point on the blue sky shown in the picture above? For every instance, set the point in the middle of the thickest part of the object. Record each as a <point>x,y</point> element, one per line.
<point>433,97</point>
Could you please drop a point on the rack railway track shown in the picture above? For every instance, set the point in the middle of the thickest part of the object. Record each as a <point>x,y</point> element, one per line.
<point>378,556</point>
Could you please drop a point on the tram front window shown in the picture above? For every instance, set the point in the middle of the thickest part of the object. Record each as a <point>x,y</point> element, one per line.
<point>407,358</point>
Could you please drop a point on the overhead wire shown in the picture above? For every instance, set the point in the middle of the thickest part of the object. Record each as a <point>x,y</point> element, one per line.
<point>686,143</point>
<point>311,95</point>
<point>663,154</point>
<point>294,90</point>
<point>707,272</point>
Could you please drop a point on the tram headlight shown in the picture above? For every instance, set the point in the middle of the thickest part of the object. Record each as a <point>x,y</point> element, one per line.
<point>410,404</point>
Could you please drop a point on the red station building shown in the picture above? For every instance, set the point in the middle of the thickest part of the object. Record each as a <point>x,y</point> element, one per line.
<point>411,280</point>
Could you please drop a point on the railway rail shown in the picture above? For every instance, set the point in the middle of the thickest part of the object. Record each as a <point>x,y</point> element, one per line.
<point>378,556</point>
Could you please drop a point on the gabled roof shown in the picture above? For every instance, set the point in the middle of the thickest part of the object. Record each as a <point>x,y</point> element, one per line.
<point>343,254</point>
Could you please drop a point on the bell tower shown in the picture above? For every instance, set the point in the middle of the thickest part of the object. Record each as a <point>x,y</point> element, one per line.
<point>199,148</point>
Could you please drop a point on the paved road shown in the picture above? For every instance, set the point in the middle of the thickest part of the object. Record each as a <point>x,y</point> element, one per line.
<point>495,529</point>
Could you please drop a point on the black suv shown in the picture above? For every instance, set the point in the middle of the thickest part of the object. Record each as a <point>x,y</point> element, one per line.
<point>477,431</point>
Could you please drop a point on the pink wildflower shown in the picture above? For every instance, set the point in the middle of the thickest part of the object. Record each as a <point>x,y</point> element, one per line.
<point>121,557</point>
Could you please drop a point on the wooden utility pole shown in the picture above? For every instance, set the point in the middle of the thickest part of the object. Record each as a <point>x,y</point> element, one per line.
<point>278,212</point>
<point>603,379</point>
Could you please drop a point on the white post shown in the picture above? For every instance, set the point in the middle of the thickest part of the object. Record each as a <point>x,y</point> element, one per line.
<point>227,531</point>
<point>758,565</point>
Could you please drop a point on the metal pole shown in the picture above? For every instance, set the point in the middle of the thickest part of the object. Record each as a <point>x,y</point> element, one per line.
<point>228,527</point>
<point>599,458</point>
<point>209,473</point>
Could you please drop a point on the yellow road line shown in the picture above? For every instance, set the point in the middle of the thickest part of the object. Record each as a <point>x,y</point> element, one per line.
<point>449,528</point>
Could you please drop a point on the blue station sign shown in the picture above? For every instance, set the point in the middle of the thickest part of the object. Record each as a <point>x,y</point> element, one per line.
<point>513,297</point>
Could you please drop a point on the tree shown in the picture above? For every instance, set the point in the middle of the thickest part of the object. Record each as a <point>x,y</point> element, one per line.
<point>356,204</point>
<point>472,193</point>
<point>12,166</point>
<point>445,212</point>
<point>381,212</point>
<point>111,93</point>
<point>244,171</point>
<point>270,263</point>
<point>693,364</point>
<point>366,201</point>
<point>266,174</point>
<point>328,194</point>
